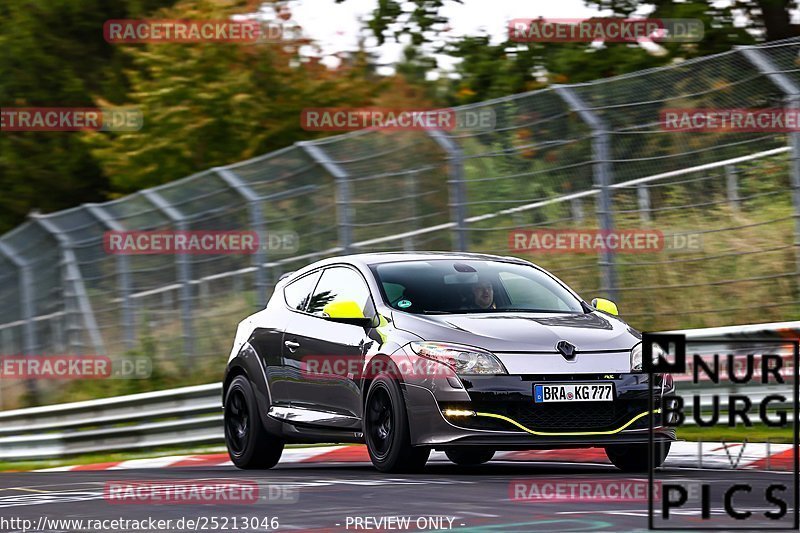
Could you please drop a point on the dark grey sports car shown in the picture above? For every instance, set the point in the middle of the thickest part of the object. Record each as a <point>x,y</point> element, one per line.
<point>464,353</point>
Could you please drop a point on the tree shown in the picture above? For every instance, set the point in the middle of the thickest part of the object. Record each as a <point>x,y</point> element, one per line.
<point>770,18</point>
<point>212,104</point>
<point>489,70</point>
<point>54,55</point>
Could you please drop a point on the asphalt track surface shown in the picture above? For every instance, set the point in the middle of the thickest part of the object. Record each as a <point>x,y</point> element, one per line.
<point>332,497</point>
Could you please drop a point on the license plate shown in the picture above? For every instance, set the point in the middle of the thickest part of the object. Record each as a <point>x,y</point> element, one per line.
<point>577,392</point>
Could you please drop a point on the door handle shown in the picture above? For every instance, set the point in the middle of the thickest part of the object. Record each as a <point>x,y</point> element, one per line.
<point>291,345</point>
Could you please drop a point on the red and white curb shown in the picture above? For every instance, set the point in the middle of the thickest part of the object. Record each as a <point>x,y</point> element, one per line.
<point>712,455</point>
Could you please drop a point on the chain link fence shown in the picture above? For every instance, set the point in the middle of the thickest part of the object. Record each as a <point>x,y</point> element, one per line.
<point>573,156</point>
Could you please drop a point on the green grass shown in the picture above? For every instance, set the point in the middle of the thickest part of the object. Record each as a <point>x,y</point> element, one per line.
<point>755,433</point>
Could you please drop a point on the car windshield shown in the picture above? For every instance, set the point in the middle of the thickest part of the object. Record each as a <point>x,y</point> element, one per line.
<point>456,286</point>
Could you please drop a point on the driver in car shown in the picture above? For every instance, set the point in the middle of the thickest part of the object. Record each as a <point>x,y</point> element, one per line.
<point>483,295</point>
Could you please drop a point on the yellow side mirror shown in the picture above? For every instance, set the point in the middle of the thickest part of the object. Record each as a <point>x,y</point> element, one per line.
<point>343,309</point>
<point>606,306</point>
<point>346,312</point>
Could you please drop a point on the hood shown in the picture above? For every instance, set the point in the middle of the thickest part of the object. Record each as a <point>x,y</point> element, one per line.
<point>523,332</point>
<point>526,342</point>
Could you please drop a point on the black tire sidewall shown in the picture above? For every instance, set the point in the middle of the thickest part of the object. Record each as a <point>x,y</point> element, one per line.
<point>400,450</point>
<point>260,450</point>
<point>240,383</point>
<point>377,385</point>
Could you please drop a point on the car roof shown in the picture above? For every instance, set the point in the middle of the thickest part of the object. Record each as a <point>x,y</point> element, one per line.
<point>375,258</point>
<point>365,260</point>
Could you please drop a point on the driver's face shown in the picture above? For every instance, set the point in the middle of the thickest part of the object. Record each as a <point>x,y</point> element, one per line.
<point>483,295</point>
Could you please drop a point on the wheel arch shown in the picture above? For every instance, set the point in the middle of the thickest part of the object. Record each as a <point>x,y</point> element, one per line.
<point>386,363</point>
<point>247,363</point>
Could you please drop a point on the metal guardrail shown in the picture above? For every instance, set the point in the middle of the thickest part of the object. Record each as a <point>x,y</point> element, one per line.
<point>188,415</point>
<point>193,415</point>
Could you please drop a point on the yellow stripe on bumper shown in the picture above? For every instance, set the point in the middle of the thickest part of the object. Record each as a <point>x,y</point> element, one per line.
<point>567,433</point>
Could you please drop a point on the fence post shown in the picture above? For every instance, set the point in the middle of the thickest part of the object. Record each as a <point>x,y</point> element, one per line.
<point>787,85</point>
<point>602,176</point>
<point>26,288</point>
<point>73,280</point>
<point>6,339</point>
<point>411,191</point>
<point>342,179</point>
<point>576,207</point>
<point>458,190</point>
<point>257,223</point>
<point>643,193</point>
<point>123,277</point>
<point>184,271</point>
<point>732,187</point>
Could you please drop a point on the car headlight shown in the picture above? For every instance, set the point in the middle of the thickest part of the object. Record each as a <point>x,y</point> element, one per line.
<point>463,359</point>
<point>636,356</point>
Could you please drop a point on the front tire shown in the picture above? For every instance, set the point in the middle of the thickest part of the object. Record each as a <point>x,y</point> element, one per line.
<point>469,457</point>
<point>386,429</point>
<point>633,457</point>
<point>249,444</point>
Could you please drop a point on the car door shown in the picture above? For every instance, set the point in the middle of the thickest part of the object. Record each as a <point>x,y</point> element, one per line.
<point>280,376</point>
<point>325,357</point>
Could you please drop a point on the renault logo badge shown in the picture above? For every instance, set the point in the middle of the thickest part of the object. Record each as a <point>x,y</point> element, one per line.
<point>566,349</point>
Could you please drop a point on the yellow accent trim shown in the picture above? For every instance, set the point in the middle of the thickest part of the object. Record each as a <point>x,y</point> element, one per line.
<point>458,412</point>
<point>601,304</point>
<point>343,309</point>
<point>382,328</point>
<point>564,434</point>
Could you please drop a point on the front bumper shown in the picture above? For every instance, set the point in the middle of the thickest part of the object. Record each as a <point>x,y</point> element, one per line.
<point>499,411</point>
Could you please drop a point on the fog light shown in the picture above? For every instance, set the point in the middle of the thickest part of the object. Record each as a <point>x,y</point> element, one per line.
<point>458,412</point>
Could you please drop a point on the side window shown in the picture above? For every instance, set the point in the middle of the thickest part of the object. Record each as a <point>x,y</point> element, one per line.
<point>338,284</point>
<point>298,292</point>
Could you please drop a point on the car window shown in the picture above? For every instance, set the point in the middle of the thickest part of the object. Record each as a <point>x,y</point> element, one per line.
<point>442,286</point>
<point>526,292</point>
<point>394,291</point>
<point>298,293</point>
<point>339,284</point>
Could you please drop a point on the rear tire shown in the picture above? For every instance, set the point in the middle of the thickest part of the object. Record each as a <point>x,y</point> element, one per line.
<point>633,457</point>
<point>469,457</point>
<point>386,429</point>
<point>249,444</point>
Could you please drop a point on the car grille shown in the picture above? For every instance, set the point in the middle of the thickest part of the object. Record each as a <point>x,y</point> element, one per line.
<point>552,417</point>
<point>574,416</point>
